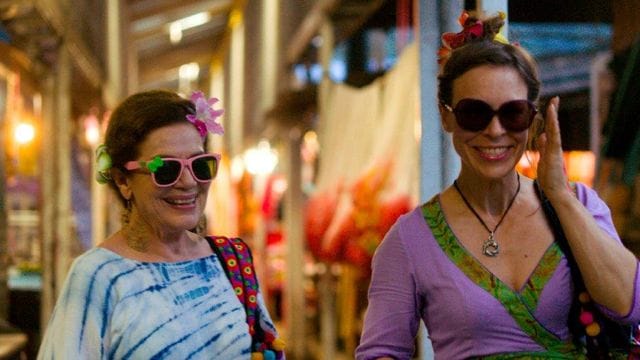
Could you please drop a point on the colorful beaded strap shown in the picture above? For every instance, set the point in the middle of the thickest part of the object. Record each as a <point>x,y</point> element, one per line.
<point>237,262</point>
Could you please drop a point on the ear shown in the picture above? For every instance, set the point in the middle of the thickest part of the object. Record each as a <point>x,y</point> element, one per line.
<point>447,118</point>
<point>122,182</point>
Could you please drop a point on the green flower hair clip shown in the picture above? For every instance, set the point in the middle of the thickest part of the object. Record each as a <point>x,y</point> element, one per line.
<point>103,165</point>
<point>154,164</point>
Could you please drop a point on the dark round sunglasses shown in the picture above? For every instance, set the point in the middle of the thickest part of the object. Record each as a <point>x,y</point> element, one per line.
<point>166,171</point>
<point>475,115</point>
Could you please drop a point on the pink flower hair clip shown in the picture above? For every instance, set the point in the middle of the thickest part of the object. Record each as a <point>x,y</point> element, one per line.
<point>205,117</point>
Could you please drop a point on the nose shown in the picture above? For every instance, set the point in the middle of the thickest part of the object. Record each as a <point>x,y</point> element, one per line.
<point>186,177</point>
<point>495,127</point>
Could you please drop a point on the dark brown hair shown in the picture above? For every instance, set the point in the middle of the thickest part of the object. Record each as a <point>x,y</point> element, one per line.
<point>136,117</point>
<point>486,51</point>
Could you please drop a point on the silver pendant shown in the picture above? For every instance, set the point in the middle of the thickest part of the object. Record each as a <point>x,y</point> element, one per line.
<point>490,246</point>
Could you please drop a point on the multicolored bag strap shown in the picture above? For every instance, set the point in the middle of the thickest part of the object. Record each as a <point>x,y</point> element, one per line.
<point>237,262</point>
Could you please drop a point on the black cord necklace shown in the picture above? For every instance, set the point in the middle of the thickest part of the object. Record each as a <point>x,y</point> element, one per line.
<point>490,246</point>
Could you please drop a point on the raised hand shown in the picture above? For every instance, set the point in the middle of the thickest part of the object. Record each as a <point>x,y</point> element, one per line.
<point>552,174</point>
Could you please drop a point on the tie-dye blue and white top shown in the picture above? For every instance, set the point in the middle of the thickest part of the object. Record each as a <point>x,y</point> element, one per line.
<point>117,308</point>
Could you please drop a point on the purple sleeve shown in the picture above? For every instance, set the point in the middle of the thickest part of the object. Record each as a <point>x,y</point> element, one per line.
<point>391,320</point>
<point>602,215</point>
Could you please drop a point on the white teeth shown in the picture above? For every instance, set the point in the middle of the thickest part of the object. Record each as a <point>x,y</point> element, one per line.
<point>181,202</point>
<point>493,151</point>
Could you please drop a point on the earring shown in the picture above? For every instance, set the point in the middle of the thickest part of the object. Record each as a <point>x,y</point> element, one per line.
<point>135,237</point>
<point>126,212</point>
<point>201,228</point>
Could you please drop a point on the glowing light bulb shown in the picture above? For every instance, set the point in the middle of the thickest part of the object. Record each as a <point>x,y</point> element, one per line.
<point>24,133</point>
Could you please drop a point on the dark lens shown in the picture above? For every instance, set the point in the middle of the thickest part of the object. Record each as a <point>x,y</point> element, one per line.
<point>167,173</point>
<point>473,115</point>
<point>516,115</point>
<point>204,168</point>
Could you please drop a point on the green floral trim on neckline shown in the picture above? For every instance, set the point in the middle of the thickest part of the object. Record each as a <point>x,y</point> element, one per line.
<point>544,355</point>
<point>520,306</point>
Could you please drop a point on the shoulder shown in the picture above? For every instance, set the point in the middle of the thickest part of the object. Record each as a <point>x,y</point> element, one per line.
<point>406,235</point>
<point>583,191</point>
<point>589,197</point>
<point>95,259</point>
<point>97,266</point>
<point>410,223</point>
<point>600,211</point>
<point>234,244</point>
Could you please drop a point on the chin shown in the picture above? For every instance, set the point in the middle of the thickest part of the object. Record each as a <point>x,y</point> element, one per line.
<point>185,223</point>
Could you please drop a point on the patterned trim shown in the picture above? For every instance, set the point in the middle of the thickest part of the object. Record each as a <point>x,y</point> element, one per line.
<point>235,257</point>
<point>520,306</point>
<point>535,356</point>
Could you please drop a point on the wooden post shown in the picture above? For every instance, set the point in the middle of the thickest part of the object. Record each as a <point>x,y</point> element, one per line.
<point>4,259</point>
<point>294,288</point>
<point>63,231</point>
<point>235,112</point>
<point>48,245</point>
<point>326,286</point>
<point>328,313</point>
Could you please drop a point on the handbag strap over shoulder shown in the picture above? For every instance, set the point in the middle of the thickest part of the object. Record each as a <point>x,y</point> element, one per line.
<point>238,265</point>
<point>609,335</point>
<point>237,261</point>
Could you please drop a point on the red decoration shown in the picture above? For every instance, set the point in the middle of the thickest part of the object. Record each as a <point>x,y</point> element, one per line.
<point>349,225</point>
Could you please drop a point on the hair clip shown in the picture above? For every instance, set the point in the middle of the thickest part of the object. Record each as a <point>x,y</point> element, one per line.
<point>472,29</point>
<point>205,116</point>
<point>154,164</point>
<point>103,165</point>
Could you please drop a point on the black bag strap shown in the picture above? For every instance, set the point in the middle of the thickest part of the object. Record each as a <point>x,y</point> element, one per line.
<point>611,335</point>
<point>559,235</point>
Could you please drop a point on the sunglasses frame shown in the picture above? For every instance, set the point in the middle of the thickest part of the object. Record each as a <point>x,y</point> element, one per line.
<point>507,125</point>
<point>184,163</point>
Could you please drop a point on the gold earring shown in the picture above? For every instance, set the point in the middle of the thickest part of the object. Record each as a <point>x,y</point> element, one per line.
<point>126,212</point>
<point>135,237</point>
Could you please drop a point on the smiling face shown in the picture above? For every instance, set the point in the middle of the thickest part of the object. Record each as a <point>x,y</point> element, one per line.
<point>491,153</point>
<point>174,208</point>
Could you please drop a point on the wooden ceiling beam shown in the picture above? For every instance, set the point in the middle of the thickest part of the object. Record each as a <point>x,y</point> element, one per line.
<point>217,23</point>
<point>346,15</point>
<point>308,29</point>
<point>173,10</point>
<point>156,65</point>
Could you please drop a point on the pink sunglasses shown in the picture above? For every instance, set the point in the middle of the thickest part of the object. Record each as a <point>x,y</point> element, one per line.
<point>166,171</point>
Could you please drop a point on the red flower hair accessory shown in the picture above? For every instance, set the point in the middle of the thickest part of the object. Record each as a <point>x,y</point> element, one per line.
<point>205,116</point>
<point>472,29</point>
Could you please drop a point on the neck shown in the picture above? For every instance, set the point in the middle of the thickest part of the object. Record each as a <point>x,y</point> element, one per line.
<point>491,198</point>
<point>159,246</point>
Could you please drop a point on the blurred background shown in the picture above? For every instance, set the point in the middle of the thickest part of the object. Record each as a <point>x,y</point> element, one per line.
<point>332,132</point>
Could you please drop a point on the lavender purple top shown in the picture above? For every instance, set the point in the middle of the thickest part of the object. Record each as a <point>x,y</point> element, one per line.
<point>414,279</point>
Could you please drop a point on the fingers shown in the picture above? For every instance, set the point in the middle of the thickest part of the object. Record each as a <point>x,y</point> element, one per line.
<point>541,143</point>
<point>552,126</point>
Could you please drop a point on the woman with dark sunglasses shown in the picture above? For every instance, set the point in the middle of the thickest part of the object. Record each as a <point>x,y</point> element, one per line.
<point>479,262</point>
<point>156,288</point>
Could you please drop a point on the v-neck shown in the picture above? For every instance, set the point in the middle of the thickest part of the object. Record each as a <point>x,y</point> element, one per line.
<point>522,304</point>
<point>474,268</point>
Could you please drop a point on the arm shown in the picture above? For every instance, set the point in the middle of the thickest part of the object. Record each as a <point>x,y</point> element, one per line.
<point>608,268</point>
<point>392,317</point>
<point>75,326</point>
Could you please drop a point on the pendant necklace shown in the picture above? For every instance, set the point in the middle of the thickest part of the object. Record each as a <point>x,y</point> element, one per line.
<point>490,246</point>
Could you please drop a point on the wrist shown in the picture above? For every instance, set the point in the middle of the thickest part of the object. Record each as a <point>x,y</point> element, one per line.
<point>560,194</point>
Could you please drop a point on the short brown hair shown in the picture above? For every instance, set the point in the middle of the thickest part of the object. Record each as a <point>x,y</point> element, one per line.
<point>136,117</point>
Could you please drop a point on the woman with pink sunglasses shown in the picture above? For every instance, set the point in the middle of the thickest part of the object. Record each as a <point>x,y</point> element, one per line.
<point>157,288</point>
<point>482,263</point>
